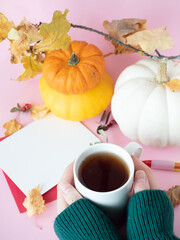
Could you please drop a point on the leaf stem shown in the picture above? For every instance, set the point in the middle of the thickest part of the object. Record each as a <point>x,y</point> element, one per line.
<point>126,45</point>
<point>108,54</point>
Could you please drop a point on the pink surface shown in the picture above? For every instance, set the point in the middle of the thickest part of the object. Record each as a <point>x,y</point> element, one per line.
<point>14,225</point>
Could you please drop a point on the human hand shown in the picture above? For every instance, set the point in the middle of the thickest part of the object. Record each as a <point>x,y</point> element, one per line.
<point>66,192</point>
<point>144,178</point>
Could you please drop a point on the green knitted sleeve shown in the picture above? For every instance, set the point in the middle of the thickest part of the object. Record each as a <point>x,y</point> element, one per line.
<point>84,221</point>
<point>150,216</point>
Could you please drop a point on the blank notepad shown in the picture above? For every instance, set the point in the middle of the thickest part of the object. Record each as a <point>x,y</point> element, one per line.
<point>38,153</point>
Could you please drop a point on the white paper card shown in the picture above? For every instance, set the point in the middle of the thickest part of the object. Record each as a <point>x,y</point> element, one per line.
<point>39,153</point>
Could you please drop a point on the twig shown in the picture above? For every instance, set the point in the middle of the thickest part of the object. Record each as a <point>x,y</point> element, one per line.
<point>126,45</point>
<point>158,53</point>
<point>108,54</point>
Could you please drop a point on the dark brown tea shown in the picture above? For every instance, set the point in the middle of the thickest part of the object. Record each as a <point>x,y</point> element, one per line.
<point>103,172</point>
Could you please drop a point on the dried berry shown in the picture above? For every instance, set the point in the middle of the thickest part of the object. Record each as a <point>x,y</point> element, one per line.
<point>24,108</point>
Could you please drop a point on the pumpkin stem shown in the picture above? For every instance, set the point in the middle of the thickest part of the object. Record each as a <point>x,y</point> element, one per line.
<point>73,60</point>
<point>162,76</point>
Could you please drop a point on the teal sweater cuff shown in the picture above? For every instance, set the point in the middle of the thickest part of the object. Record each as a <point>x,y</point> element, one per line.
<point>150,216</point>
<point>84,221</point>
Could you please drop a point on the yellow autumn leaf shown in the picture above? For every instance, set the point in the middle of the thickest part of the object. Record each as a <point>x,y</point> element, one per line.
<point>34,202</point>
<point>39,111</point>
<point>120,29</point>
<point>5,27</point>
<point>174,85</point>
<point>54,34</point>
<point>149,40</point>
<point>12,126</point>
<point>32,67</point>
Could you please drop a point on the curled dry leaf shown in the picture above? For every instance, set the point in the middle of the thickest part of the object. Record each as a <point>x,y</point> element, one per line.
<point>174,195</point>
<point>39,111</point>
<point>32,66</point>
<point>174,85</point>
<point>34,202</point>
<point>121,29</point>
<point>54,34</point>
<point>5,27</point>
<point>32,31</point>
<point>21,37</point>
<point>19,47</point>
<point>12,126</point>
<point>150,40</point>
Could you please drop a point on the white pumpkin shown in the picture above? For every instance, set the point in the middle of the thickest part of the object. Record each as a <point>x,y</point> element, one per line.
<point>145,109</point>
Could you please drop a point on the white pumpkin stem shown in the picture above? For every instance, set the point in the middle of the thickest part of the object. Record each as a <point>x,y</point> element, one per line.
<point>162,76</point>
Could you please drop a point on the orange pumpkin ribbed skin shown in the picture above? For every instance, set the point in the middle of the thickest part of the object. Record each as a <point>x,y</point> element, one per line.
<point>76,79</point>
<point>80,106</point>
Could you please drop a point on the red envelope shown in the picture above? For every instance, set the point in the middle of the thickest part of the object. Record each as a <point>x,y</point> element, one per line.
<point>19,196</point>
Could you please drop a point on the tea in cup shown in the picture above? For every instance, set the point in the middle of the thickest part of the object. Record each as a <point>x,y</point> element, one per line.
<point>104,174</point>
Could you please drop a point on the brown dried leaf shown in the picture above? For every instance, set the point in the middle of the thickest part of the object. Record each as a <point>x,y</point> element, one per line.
<point>32,67</point>
<point>12,126</point>
<point>121,29</point>
<point>39,111</point>
<point>174,85</point>
<point>19,47</point>
<point>5,27</point>
<point>174,195</point>
<point>21,37</point>
<point>31,31</point>
<point>149,40</point>
<point>34,202</point>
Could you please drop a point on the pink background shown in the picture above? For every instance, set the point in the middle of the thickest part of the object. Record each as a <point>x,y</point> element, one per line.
<point>14,225</point>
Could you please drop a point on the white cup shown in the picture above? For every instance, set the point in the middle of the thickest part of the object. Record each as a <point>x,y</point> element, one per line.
<point>113,203</point>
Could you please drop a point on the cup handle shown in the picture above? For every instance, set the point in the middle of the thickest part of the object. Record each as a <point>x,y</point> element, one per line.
<point>134,148</point>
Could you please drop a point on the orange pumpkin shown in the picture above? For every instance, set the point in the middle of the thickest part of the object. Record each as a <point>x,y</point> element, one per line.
<point>75,85</point>
<point>75,70</point>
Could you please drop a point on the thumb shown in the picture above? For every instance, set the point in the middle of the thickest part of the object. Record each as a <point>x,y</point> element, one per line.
<point>70,194</point>
<point>141,181</point>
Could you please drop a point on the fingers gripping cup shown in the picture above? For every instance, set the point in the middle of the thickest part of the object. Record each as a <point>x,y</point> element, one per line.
<point>104,174</point>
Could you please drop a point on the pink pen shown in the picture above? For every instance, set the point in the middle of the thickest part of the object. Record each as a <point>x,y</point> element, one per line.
<point>163,165</point>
